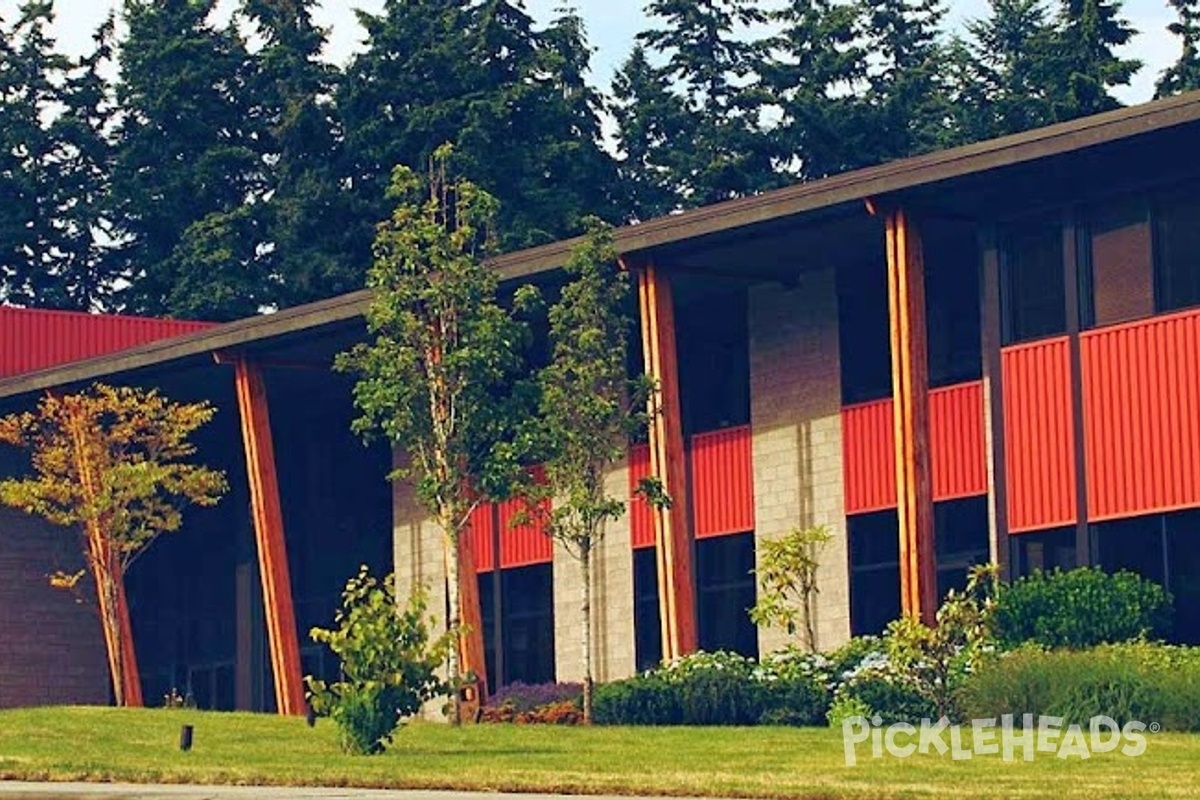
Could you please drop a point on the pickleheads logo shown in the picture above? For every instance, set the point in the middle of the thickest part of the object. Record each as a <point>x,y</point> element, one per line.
<point>902,739</point>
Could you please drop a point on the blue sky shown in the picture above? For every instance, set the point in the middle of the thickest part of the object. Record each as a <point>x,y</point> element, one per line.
<point>612,25</point>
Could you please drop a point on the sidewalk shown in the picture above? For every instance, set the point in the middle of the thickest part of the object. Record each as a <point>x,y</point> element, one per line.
<point>16,790</point>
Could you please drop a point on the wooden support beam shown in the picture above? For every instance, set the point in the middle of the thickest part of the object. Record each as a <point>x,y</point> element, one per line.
<point>672,526</point>
<point>267,515</point>
<point>993,393</point>
<point>910,392</point>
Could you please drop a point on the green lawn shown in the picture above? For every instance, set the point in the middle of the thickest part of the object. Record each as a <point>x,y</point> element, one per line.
<point>118,745</point>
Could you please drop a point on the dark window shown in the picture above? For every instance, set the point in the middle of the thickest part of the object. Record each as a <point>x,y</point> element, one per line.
<point>960,540</point>
<point>1177,251</point>
<point>647,623</point>
<point>874,571</point>
<point>863,337</point>
<point>1042,551</point>
<point>952,305</point>
<point>1033,299</point>
<point>1116,278</point>
<point>525,638</point>
<point>1134,544</point>
<point>1183,554</point>
<point>714,357</point>
<point>725,594</point>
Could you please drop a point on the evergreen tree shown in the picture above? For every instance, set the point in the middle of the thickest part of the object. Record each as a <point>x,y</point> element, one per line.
<point>315,234</point>
<point>1184,74</point>
<point>1001,76</point>
<point>816,73</point>
<point>908,105</point>
<point>1085,67</point>
<point>29,69</point>
<point>186,171</point>
<point>512,99</point>
<point>711,68</point>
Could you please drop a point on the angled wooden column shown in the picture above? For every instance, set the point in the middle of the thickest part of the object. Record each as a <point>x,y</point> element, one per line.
<point>910,393</point>
<point>672,526</point>
<point>267,514</point>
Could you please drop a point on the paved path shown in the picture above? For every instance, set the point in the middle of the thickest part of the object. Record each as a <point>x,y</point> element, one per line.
<point>15,790</point>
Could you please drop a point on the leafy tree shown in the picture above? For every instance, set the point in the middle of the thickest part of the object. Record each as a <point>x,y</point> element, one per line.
<point>113,461</point>
<point>1001,80</point>
<point>711,70</point>
<point>438,378</point>
<point>1184,74</point>
<point>316,236</point>
<point>388,663</point>
<point>1084,67</point>
<point>589,410</point>
<point>816,73</point>
<point>185,166</point>
<point>787,580</point>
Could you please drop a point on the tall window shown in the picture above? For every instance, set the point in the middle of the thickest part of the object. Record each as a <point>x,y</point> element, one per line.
<point>1177,250</point>
<point>1033,296</point>
<point>952,304</point>
<point>646,620</point>
<point>714,357</point>
<point>725,593</point>
<point>960,540</point>
<point>1115,263</point>
<point>874,571</point>
<point>520,638</point>
<point>863,337</point>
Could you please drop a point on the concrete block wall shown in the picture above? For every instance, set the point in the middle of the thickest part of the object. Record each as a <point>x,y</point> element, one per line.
<point>612,601</point>
<point>795,412</point>
<point>51,647</point>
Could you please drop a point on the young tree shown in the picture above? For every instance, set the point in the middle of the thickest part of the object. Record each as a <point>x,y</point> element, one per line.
<point>1184,74</point>
<point>112,461</point>
<point>787,580</point>
<point>589,410</point>
<point>439,378</point>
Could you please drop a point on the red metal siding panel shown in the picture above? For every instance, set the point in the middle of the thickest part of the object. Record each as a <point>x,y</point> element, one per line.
<point>956,441</point>
<point>1039,438</point>
<point>33,339</point>
<point>868,457</point>
<point>641,519</point>
<point>1141,395</point>
<point>481,538</point>
<point>522,545</point>
<point>722,482</point>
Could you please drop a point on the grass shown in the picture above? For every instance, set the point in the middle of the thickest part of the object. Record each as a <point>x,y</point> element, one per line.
<point>142,746</point>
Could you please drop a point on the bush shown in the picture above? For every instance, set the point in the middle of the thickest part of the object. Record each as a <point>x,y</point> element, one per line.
<point>642,700</point>
<point>875,690</point>
<point>528,696</point>
<point>560,712</point>
<point>1081,608</point>
<point>1132,681</point>
<point>793,701</point>
<point>388,663</point>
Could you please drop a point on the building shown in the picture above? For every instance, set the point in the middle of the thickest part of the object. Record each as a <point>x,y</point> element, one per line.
<point>987,352</point>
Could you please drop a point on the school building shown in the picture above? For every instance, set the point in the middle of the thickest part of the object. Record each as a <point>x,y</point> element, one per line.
<point>991,352</point>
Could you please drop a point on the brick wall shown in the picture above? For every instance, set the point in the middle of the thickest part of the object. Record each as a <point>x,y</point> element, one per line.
<point>51,647</point>
<point>795,412</point>
<point>612,602</point>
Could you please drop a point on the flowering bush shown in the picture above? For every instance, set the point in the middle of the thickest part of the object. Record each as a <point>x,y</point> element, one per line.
<point>561,712</point>
<point>527,696</point>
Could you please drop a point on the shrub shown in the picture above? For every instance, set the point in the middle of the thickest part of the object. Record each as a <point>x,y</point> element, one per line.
<point>642,700</point>
<point>527,696</point>
<point>1081,608</point>
<point>852,654</point>
<point>560,712</point>
<point>388,663</point>
<point>877,690</point>
<point>793,701</point>
<point>1133,681</point>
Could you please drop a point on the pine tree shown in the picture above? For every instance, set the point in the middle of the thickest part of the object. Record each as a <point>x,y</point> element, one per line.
<point>816,73</point>
<point>316,236</point>
<point>186,168</point>
<point>711,69</point>
<point>1184,74</point>
<point>511,98</point>
<point>908,106</point>
<point>1001,80</point>
<point>1085,67</point>
<point>29,70</point>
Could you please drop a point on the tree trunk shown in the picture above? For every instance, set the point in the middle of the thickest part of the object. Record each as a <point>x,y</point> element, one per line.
<point>585,566</point>
<point>454,624</point>
<point>114,619</point>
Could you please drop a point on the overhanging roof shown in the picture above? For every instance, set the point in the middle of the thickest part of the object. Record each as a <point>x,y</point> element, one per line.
<point>792,201</point>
